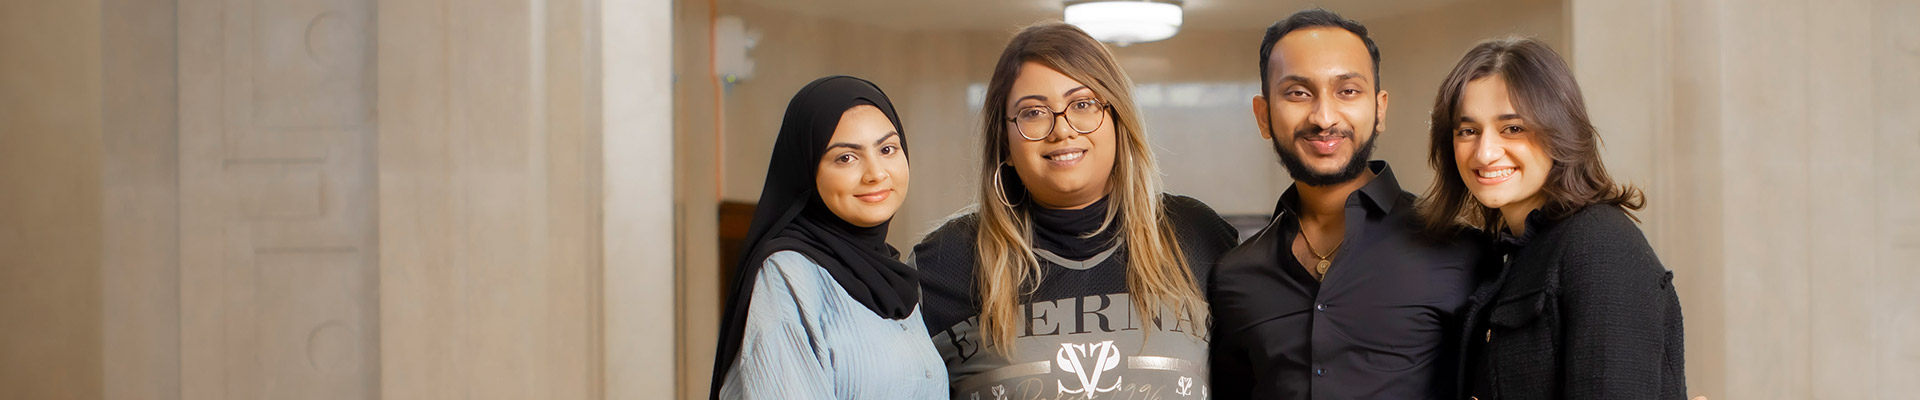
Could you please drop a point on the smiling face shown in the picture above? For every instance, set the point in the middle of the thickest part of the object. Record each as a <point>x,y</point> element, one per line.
<point>1066,169</point>
<point>1494,148</point>
<point>863,176</point>
<point>1325,108</point>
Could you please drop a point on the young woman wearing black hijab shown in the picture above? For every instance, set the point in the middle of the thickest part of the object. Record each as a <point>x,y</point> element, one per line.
<point>822,307</point>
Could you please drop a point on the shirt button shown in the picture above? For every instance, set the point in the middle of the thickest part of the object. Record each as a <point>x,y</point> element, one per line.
<point>1321,307</point>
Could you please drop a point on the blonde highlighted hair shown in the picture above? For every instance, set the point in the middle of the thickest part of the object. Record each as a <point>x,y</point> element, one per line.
<point>1157,272</point>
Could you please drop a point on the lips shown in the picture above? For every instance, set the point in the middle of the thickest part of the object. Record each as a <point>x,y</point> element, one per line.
<point>875,196</point>
<point>1325,145</point>
<point>1322,142</point>
<point>1494,175</point>
<point>1066,156</point>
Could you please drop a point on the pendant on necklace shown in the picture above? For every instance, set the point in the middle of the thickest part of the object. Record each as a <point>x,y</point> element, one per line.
<point>1323,267</point>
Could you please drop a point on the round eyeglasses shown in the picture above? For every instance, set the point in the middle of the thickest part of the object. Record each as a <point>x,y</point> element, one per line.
<point>1036,122</point>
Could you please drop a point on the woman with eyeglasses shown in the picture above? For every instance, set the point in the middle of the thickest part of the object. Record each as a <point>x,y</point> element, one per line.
<point>1075,275</point>
<point>822,307</point>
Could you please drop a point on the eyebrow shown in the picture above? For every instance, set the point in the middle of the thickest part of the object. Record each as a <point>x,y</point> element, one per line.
<point>1341,77</point>
<point>1502,117</point>
<point>855,147</point>
<point>883,138</point>
<point>1069,92</point>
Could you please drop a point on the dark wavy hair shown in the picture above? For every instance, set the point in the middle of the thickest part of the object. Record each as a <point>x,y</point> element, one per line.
<point>1547,98</point>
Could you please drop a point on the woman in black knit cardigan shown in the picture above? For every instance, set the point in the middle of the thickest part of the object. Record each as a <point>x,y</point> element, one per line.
<point>1575,305</point>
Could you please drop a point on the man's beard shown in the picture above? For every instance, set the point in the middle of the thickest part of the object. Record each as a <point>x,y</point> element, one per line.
<point>1306,175</point>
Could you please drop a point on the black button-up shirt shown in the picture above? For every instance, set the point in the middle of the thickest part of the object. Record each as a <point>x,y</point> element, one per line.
<point>1381,326</point>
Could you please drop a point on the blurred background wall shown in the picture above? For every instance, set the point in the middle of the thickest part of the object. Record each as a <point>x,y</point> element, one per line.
<point>424,199</point>
<point>336,199</point>
<point>51,206</point>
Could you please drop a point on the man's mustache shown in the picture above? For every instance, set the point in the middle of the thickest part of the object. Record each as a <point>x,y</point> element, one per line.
<point>1311,132</point>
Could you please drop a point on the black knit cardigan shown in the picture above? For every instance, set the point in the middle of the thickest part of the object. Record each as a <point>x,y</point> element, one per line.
<point>1580,308</point>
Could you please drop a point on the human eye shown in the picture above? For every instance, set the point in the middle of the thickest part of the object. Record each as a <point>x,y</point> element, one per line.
<point>1032,113</point>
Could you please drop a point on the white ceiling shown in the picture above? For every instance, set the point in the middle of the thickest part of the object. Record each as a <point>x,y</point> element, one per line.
<point>1010,14</point>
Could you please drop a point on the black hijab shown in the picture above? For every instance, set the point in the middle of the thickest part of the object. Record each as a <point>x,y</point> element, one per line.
<point>791,216</point>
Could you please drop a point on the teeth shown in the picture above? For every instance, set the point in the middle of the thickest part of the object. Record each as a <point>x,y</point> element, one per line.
<point>1069,156</point>
<point>1496,174</point>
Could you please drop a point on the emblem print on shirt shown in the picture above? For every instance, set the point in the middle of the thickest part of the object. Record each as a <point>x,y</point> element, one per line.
<point>1186,387</point>
<point>1072,358</point>
<point>999,392</point>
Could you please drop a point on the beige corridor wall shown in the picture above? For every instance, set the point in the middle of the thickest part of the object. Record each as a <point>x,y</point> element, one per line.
<point>334,199</point>
<point>696,183</point>
<point>140,271</point>
<point>489,200</point>
<point>1776,140</point>
<point>50,200</point>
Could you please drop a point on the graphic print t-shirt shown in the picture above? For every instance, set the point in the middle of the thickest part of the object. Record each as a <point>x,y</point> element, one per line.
<point>1078,335</point>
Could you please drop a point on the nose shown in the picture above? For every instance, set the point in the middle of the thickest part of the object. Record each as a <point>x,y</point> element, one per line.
<point>1487,148</point>
<point>1323,114</point>
<point>1062,130</point>
<point>874,173</point>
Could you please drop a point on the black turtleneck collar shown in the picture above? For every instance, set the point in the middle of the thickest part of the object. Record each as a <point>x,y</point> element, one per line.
<point>1064,232</point>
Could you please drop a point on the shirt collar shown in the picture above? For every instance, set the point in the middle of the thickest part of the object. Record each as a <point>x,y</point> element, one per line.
<point>1379,195</point>
<point>1383,192</point>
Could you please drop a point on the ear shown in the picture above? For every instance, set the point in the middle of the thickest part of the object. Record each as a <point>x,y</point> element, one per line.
<point>1380,112</point>
<point>1260,117</point>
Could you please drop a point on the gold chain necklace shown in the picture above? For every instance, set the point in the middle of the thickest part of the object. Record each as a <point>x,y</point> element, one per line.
<point>1326,260</point>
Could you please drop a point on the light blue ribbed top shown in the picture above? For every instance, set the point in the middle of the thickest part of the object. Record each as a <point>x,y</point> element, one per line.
<point>805,338</point>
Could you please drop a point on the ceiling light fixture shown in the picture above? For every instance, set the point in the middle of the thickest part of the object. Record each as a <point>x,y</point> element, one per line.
<point>1124,22</point>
